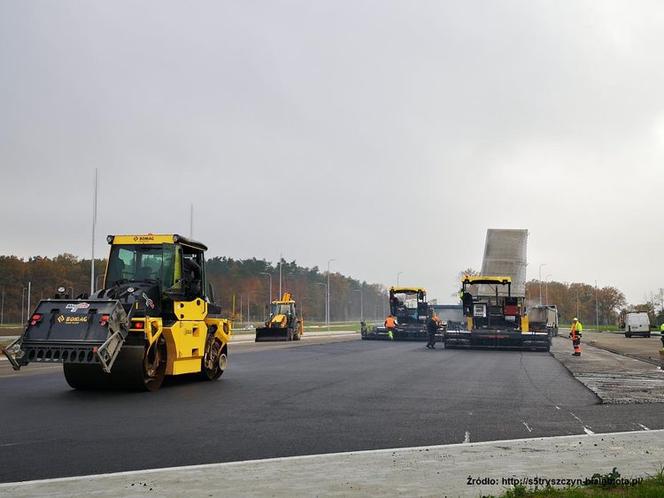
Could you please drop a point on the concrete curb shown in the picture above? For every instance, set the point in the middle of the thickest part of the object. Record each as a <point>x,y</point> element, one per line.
<point>471,469</point>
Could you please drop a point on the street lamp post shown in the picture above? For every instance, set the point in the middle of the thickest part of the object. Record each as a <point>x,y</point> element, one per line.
<point>27,309</point>
<point>398,275</point>
<point>2,308</point>
<point>22,304</point>
<point>327,308</point>
<point>269,275</point>
<point>94,227</point>
<point>540,280</point>
<point>281,257</point>
<point>596,307</point>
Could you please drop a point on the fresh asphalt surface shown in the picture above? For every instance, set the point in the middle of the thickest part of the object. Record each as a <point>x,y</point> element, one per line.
<point>296,399</point>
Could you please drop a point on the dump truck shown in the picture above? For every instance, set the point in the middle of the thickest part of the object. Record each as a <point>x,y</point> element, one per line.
<point>543,318</point>
<point>154,317</point>
<point>410,308</point>
<point>494,317</point>
<point>283,323</point>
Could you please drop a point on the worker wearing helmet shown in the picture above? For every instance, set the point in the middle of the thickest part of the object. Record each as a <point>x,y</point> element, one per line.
<point>390,325</point>
<point>575,335</point>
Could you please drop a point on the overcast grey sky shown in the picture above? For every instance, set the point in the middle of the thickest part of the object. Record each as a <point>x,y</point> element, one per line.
<point>387,135</point>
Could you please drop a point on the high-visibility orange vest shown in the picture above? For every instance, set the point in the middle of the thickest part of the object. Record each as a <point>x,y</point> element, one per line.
<point>390,322</point>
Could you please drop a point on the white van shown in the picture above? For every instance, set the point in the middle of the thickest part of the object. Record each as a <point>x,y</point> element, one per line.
<point>637,324</point>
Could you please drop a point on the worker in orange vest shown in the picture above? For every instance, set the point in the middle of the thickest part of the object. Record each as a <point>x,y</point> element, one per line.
<point>575,335</point>
<point>390,324</point>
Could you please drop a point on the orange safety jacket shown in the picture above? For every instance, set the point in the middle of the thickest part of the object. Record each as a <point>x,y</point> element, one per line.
<point>390,322</point>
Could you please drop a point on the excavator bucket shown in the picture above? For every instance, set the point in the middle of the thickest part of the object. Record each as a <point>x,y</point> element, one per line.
<point>82,332</point>
<point>272,334</point>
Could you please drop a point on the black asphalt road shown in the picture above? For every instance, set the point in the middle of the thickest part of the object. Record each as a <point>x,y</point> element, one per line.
<point>306,398</point>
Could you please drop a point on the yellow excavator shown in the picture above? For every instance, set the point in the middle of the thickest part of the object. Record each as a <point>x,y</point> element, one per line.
<point>155,316</point>
<point>283,323</point>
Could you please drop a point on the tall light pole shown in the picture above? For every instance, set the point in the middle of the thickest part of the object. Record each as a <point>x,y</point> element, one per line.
<point>546,288</point>
<point>248,308</point>
<point>540,280</point>
<point>94,226</point>
<point>27,309</point>
<point>2,307</point>
<point>269,275</point>
<point>281,257</point>
<point>596,307</point>
<point>22,304</point>
<point>327,312</point>
<point>398,275</point>
<point>361,303</point>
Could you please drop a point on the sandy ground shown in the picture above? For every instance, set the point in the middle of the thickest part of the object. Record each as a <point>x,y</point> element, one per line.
<point>642,348</point>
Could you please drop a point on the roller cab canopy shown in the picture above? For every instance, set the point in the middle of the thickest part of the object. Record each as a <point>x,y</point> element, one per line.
<point>151,238</point>
<point>173,262</point>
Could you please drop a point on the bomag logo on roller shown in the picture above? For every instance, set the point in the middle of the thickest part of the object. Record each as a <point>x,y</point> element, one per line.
<point>143,238</point>
<point>72,320</point>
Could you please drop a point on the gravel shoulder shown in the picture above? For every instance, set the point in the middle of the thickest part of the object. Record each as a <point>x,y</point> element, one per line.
<point>614,378</point>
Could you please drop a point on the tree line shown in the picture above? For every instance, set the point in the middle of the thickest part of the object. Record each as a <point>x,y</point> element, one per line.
<point>581,300</point>
<point>241,287</point>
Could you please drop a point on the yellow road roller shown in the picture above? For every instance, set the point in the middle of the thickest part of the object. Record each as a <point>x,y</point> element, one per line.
<point>155,316</point>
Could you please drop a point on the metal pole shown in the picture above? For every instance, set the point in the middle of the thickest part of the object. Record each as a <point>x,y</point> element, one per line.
<point>327,307</point>
<point>22,304</point>
<point>540,280</point>
<point>28,309</point>
<point>2,308</point>
<point>398,275</point>
<point>94,226</point>
<point>596,307</point>
<point>546,288</point>
<point>248,310</point>
<point>361,305</point>
<point>281,257</point>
